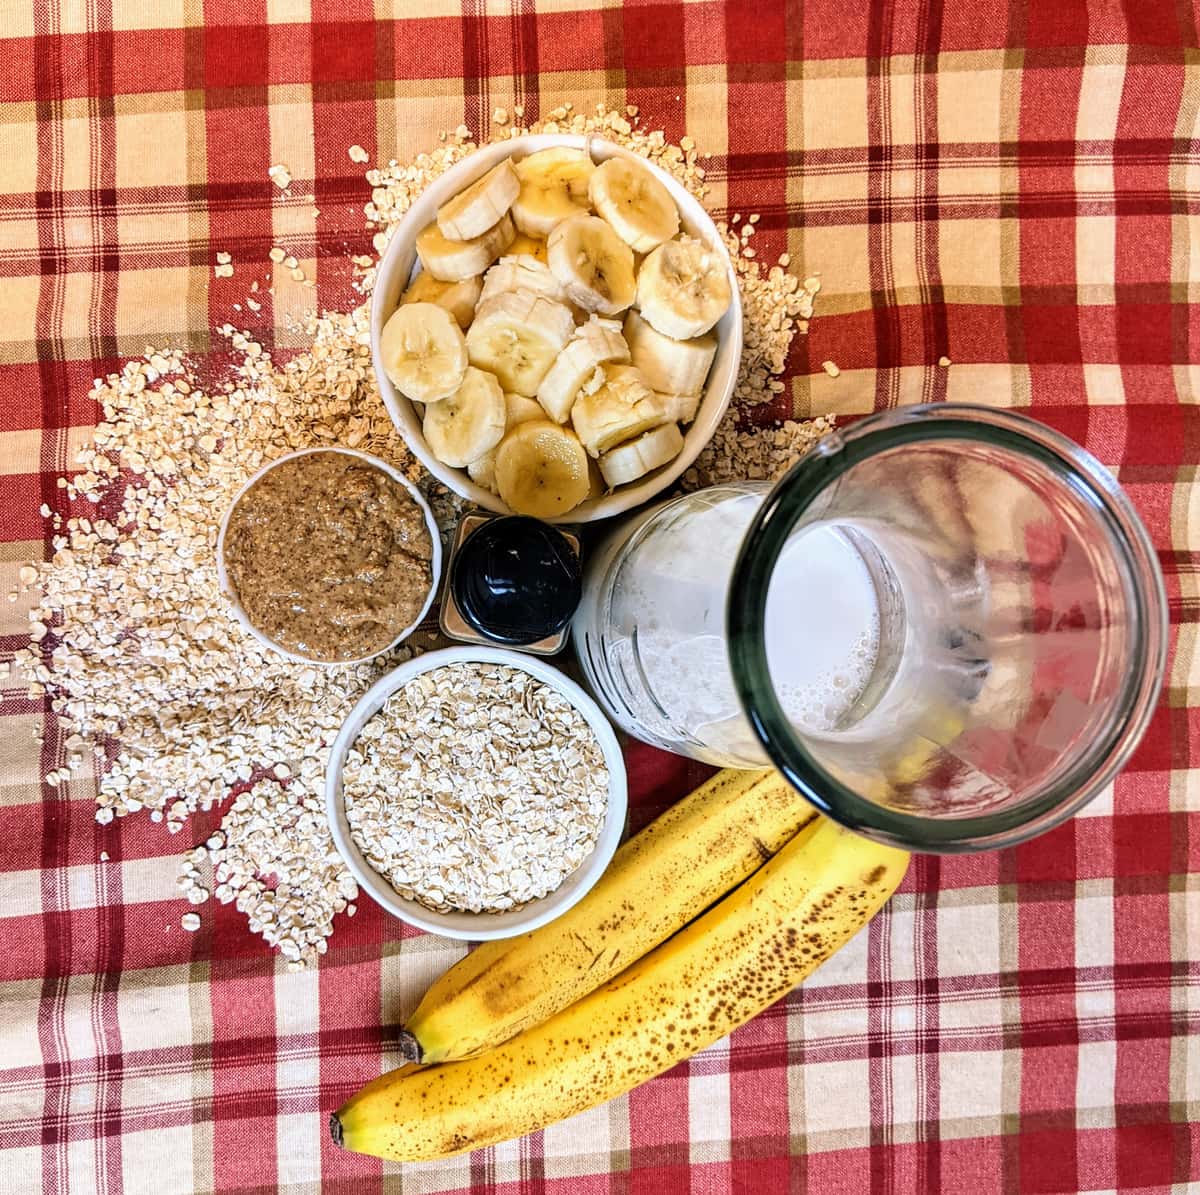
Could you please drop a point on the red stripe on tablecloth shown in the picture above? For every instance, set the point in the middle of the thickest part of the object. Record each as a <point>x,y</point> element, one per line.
<point>342,118</point>
<point>759,1109</point>
<point>102,320</point>
<point>1142,1151</point>
<point>47,54</point>
<point>884,328</point>
<point>238,146</point>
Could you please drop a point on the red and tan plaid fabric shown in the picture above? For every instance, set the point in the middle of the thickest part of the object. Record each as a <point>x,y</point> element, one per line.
<point>1013,186</point>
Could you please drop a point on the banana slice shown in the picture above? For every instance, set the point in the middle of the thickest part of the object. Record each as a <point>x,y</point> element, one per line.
<point>481,206</point>
<point>596,342</point>
<point>483,471</point>
<point>621,409</point>
<point>461,428</point>
<point>596,486</point>
<point>635,203</point>
<point>635,459</point>
<point>670,366</point>
<point>541,470</point>
<point>452,261</point>
<point>518,409</point>
<point>681,408</point>
<point>424,352</point>
<point>521,273</point>
<point>554,185</point>
<point>458,298</point>
<point>594,265</point>
<point>683,288</point>
<point>528,246</point>
<point>516,335</point>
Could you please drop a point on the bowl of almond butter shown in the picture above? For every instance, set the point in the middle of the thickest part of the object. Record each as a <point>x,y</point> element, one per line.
<point>556,328</point>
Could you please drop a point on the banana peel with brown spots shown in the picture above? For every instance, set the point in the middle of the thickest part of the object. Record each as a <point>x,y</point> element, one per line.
<point>715,974</point>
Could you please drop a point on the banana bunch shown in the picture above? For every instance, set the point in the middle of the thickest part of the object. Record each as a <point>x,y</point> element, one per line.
<point>634,978</point>
<point>536,263</point>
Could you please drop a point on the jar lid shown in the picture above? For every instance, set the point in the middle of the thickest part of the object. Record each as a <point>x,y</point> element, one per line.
<point>516,580</point>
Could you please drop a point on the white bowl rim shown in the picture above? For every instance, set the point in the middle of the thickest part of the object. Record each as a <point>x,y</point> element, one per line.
<point>435,564</point>
<point>636,493</point>
<point>479,927</point>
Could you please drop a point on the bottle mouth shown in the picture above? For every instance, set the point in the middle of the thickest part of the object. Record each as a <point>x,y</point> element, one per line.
<point>799,496</point>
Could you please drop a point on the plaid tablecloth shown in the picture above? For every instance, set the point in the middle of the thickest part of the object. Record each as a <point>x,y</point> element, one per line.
<point>1015,187</point>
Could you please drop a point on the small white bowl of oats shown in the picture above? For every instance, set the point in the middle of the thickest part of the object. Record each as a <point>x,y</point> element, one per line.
<point>476,793</point>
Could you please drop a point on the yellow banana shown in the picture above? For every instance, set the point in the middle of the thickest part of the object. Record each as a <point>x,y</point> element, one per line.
<point>724,968</point>
<point>657,882</point>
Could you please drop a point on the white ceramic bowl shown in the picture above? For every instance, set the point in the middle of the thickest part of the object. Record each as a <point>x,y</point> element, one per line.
<point>399,265</point>
<point>435,564</point>
<point>478,927</point>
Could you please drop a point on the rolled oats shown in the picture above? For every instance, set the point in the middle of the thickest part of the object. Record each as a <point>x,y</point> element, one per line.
<point>488,815</point>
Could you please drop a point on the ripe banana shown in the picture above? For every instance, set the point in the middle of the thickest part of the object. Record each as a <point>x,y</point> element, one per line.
<point>481,206</point>
<point>681,408</point>
<point>639,208</point>
<point>627,462</point>
<point>621,409</point>
<point>423,351</point>
<point>593,264</point>
<point>669,366</point>
<point>746,952</point>
<point>518,409</point>
<point>541,469</point>
<point>521,273</point>
<point>658,881</point>
<point>527,246</point>
<point>554,185</point>
<point>597,342</point>
<point>471,422</point>
<point>452,261</point>
<point>683,288</point>
<point>517,335</point>
<point>483,471</point>
<point>458,298</point>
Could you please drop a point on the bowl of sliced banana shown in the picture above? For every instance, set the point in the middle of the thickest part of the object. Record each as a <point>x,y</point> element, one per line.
<point>556,328</point>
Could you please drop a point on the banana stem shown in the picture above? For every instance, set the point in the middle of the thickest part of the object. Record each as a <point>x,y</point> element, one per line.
<point>410,1048</point>
<point>335,1128</point>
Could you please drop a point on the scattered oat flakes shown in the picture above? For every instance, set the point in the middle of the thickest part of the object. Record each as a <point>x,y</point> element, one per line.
<point>944,362</point>
<point>753,453</point>
<point>224,271</point>
<point>190,922</point>
<point>223,259</point>
<point>500,116</point>
<point>830,367</point>
<point>280,176</point>
<point>27,574</point>
<point>186,727</point>
<point>358,154</point>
